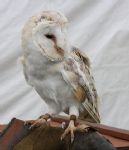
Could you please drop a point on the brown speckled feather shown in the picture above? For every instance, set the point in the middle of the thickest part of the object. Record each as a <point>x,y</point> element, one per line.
<point>78,75</point>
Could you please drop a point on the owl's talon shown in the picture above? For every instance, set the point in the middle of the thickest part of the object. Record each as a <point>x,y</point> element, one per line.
<point>67,131</point>
<point>35,123</point>
<point>70,129</point>
<point>45,119</point>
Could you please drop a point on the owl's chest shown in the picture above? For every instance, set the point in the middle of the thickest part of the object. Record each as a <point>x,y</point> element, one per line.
<point>54,88</point>
<point>55,84</point>
<point>48,80</point>
<point>49,83</point>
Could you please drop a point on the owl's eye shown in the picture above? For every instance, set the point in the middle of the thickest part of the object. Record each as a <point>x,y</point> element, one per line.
<point>50,36</point>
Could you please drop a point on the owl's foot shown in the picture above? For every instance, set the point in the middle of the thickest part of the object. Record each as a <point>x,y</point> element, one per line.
<point>44,119</point>
<point>72,128</point>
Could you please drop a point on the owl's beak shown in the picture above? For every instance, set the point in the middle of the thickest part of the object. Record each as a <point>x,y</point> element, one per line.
<point>60,51</point>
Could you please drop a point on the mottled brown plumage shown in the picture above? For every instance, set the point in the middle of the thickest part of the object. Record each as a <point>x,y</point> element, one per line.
<point>80,78</point>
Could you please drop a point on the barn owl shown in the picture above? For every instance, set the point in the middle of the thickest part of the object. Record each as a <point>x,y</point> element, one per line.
<point>59,72</point>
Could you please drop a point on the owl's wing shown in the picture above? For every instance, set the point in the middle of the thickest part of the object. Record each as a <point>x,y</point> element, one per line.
<point>25,71</point>
<point>77,74</point>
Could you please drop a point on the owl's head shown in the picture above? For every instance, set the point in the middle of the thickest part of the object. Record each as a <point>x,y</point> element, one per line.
<point>47,33</point>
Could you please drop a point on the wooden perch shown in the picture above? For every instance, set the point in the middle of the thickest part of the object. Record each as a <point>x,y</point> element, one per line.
<point>118,137</point>
<point>103,129</point>
<point>50,136</point>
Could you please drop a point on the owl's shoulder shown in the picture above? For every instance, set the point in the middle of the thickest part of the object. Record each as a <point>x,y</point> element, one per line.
<point>81,56</point>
